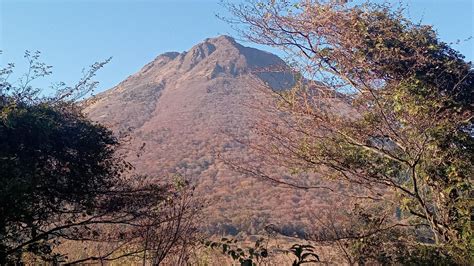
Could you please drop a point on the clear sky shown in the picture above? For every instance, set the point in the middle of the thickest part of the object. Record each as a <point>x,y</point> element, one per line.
<point>72,34</point>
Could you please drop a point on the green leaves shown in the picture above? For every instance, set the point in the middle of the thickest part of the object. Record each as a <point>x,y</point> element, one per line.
<point>251,255</point>
<point>245,255</point>
<point>304,254</point>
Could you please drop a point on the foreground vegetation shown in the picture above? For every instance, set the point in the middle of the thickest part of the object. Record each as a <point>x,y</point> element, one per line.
<point>63,181</point>
<point>390,112</point>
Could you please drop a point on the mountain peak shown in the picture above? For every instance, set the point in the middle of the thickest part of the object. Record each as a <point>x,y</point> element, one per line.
<point>222,40</point>
<point>222,55</point>
<point>212,58</point>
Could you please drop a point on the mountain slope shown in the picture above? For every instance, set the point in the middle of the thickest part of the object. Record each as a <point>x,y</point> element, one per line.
<point>188,109</point>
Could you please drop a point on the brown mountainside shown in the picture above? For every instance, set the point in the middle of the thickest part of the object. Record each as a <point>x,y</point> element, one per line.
<point>184,107</point>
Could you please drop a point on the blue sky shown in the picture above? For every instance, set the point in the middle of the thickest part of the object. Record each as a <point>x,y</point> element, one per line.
<point>72,34</point>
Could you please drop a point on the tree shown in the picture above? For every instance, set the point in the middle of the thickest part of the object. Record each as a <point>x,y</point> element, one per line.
<point>62,177</point>
<point>381,103</point>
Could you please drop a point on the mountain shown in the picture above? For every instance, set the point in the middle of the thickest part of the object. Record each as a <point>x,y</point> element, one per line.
<point>189,110</point>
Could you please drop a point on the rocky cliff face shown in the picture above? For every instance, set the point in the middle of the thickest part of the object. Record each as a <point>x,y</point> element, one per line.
<point>188,109</point>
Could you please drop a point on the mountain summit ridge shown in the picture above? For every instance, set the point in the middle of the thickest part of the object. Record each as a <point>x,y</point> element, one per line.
<point>220,57</point>
<point>226,55</point>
